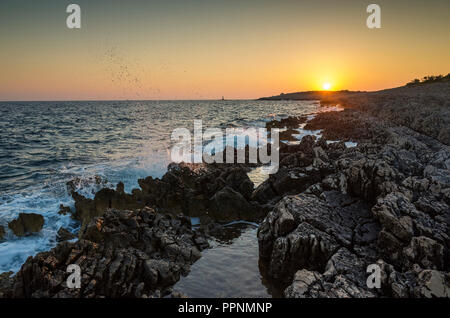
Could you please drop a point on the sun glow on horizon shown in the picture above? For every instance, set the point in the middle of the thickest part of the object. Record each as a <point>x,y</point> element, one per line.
<point>326,86</point>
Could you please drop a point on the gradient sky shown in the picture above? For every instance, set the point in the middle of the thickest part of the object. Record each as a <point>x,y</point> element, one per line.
<point>203,49</point>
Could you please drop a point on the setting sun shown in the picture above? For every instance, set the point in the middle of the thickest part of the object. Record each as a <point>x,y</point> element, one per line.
<point>326,86</point>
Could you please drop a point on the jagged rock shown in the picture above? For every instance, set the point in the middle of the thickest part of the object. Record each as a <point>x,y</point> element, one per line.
<point>425,252</point>
<point>432,283</point>
<point>63,210</point>
<point>369,178</point>
<point>121,254</point>
<point>416,282</point>
<point>344,277</point>
<point>2,232</point>
<point>289,181</point>
<point>289,122</point>
<point>86,209</point>
<point>301,166</point>
<point>304,231</point>
<point>192,189</point>
<point>391,214</point>
<point>305,283</point>
<point>64,235</point>
<point>403,179</point>
<point>423,109</point>
<point>228,205</point>
<point>343,126</point>
<point>264,193</point>
<point>26,224</point>
<point>6,284</point>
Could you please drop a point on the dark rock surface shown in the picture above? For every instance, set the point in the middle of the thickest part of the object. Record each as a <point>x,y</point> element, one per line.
<point>424,108</point>
<point>26,224</point>
<point>219,191</point>
<point>121,254</point>
<point>383,202</point>
<point>6,284</point>
<point>63,210</point>
<point>290,122</point>
<point>2,232</point>
<point>64,235</point>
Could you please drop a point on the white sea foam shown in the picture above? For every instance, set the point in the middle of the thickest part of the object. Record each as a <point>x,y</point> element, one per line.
<point>46,199</point>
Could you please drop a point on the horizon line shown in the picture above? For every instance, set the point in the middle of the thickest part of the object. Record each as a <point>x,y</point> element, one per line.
<point>205,99</point>
<point>126,100</point>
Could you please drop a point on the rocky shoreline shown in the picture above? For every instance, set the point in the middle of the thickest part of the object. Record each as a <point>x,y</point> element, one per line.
<point>325,216</point>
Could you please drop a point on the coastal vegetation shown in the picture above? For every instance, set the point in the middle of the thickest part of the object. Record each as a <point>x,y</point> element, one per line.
<point>430,79</point>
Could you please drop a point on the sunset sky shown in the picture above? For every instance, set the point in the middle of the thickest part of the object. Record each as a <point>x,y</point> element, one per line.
<point>206,49</point>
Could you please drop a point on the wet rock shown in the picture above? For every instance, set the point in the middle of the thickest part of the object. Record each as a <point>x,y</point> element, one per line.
<point>288,181</point>
<point>415,282</point>
<point>191,189</point>
<point>86,209</point>
<point>64,235</point>
<point>425,252</point>
<point>304,231</point>
<point>423,109</point>
<point>264,193</point>
<point>2,232</point>
<point>121,254</point>
<point>238,180</point>
<point>368,178</point>
<point>391,214</point>
<point>305,284</point>
<point>26,224</point>
<point>301,166</point>
<point>79,183</point>
<point>63,210</point>
<point>386,200</point>
<point>344,278</point>
<point>432,283</point>
<point>343,126</point>
<point>288,135</point>
<point>289,122</point>
<point>6,284</point>
<point>228,205</point>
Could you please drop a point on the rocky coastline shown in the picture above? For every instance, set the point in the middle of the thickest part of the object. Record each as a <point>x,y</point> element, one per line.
<point>327,214</point>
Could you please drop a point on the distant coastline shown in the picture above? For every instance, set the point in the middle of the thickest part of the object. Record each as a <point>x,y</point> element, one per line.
<point>323,95</point>
<point>309,95</point>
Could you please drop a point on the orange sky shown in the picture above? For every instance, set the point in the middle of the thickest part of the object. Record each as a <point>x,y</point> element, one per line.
<point>207,49</point>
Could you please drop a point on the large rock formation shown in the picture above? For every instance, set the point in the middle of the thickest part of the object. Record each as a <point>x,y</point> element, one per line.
<point>219,191</point>
<point>26,224</point>
<point>64,235</point>
<point>383,202</point>
<point>121,254</point>
<point>424,108</point>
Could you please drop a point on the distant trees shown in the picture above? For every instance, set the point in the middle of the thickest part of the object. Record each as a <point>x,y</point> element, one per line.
<point>430,79</point>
